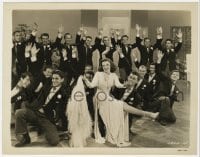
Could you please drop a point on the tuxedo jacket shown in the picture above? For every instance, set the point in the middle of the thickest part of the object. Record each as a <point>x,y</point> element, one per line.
<point>102,47</point>
<point>133,99</point>
<point>169,57</point>
<point>84,54</point>
<point>165,85</point>
<point>18,57</point>
<point>25,95</point>
<point>56,107</point>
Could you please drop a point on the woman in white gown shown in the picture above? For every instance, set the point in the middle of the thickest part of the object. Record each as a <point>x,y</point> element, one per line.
<point>111,110</point>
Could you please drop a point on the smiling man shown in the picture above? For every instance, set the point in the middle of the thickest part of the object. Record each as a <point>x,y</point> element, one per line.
<point>46,111</point>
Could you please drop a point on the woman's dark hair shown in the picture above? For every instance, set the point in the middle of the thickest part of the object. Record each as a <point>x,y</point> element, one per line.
<point>112,65</point>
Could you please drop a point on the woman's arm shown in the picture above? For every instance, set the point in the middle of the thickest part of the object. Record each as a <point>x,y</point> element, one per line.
<point>117,83</point>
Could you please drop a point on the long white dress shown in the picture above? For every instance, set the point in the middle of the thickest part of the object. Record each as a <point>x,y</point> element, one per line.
<point>79,120</point>
<point>110,109</point>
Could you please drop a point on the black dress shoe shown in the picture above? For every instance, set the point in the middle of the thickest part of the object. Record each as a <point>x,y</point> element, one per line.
<point>25,139</point>
<point>163,122</point>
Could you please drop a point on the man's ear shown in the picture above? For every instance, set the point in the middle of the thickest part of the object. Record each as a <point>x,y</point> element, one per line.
<point>62,80</point>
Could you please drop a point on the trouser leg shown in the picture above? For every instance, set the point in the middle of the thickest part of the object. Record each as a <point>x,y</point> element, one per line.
<point>166,112</point>
<point>22,117</point>
<point>49,129</point>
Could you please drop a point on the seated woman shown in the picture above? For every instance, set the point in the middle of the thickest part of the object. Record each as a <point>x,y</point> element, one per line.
<point>111,110</point>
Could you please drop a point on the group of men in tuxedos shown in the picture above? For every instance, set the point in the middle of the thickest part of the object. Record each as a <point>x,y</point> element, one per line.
<point>44,74</point>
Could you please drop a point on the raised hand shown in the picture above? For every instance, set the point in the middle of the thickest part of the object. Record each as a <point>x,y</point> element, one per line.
<point>159,30</point>
<point>160,56</point>
<point>60,29</point>
<point>144,33</point>
<point>35,26</point>
<point>117,32</point>
<point>28,47</point>
<point>101,31</point>
<point>112,32</point>
<point>34,51</point>
<point>85,32</point>
<point>80,31</point>
<point>179,35</point>
<point>64,53</point>
<point>137,27</point>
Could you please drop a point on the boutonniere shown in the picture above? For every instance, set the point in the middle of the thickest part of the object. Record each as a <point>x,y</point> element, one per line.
<point>87,93</point>
<point>48,46</point>
<point>177,92</point>
<point>19,43</point>
<point>151,48</point>
<point>172,50</point>
<point>131,99</point>
<point>145,86</point>
<point>59,96</point>
<point>154,81</point>
<point>130,46</point>
<point>19,97</point>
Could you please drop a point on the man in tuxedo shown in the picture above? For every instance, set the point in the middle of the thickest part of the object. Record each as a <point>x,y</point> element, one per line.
<point>22,91</point>
<point>168,62</point>
<point>19,63</point>
<point>153,79</point>
<point>164,96</point>
<point>47,111</point>
<point>43,56</point>
<point>129,94</point>
<point>125,62</point>
<point>105,46</point>
<point>43,79</point>
<point>142,87</point>
<point>146,49</point>
<point>85,50</point>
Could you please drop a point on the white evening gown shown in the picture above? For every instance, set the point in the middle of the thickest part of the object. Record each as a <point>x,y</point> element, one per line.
<point>110,109</point>
<point>79,120</point>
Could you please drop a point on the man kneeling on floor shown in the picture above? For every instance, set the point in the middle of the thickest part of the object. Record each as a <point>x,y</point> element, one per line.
<point>47,110</point>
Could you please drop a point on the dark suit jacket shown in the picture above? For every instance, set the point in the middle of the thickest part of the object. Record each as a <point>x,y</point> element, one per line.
<point>26,95</point>
<point>18,58</point>
<point>165,85</point>
<point>169,57</point>
<point>134,99</point>
<point>84,54</point>
<point>102,48</point>
<point>55,109</point>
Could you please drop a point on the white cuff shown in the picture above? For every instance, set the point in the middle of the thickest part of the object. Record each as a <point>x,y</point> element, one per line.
<point>73,55</point>
<point>79,33</point>
<point>159,36</point>
<point>180,40</point>
<point>34,33</point>
<point>33,59</point>
<point>27,54</point>
<point>59,35</point>
<point>65,58</point>
<point>121,56</point>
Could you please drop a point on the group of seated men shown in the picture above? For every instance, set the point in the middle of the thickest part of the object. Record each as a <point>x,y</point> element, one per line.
<point>44,74</point>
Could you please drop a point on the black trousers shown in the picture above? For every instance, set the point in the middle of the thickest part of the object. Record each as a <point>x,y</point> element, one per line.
<point>164,108</point>
<point>23,116</point>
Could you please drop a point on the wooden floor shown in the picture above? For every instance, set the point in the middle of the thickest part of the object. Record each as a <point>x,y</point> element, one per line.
<point>147,133</point>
